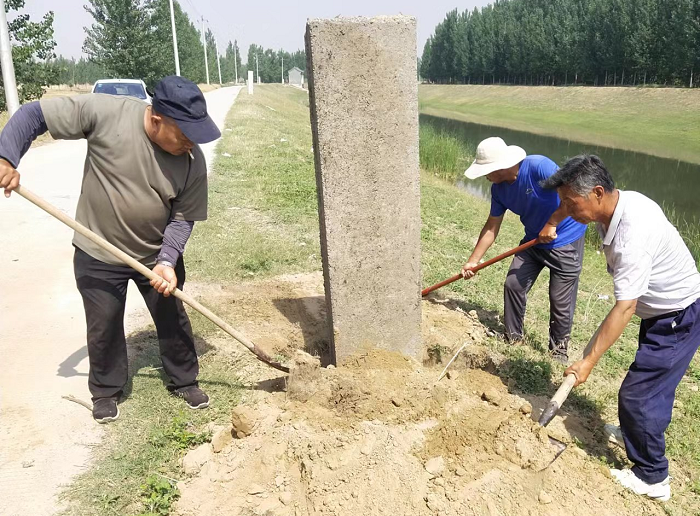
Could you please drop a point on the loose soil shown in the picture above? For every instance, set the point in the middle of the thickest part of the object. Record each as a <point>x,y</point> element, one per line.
<point>380,435</point>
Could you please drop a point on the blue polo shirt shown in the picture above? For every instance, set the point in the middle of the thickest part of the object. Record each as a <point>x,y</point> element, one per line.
<point>534,204</point>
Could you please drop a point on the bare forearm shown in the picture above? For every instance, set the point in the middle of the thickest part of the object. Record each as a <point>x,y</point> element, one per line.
<point>557,216</point>
<point>609,331</point>
<point>486,239</point>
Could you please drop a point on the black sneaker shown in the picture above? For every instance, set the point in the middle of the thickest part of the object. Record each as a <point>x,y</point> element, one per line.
<point>194,396</point>
<point>559,353</point>
<point>105,410</point>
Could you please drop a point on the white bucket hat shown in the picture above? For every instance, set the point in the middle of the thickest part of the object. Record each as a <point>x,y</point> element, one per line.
<point>493,154</point>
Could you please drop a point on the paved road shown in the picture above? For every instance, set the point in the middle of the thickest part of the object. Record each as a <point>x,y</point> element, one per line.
<point>44,440</point>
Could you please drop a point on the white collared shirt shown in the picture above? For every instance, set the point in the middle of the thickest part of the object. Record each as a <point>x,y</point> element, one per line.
<point>648,259</point>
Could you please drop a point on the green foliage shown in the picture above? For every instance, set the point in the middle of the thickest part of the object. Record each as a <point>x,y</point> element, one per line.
<point>32,42</point>
<point>121,39</point>
<point>231,63</point>
<point>133,39</point>
<point>72,72</point>
<point>532,376</point>
<point>269,63</point>
<point>443,154</point>
<point>189,42</point>
<point>158,495</point>
<point>548,42</point>
<point>695,487</point>
<point>179,434</point>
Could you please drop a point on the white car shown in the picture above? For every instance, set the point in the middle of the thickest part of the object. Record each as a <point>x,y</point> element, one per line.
<point>130,87</point>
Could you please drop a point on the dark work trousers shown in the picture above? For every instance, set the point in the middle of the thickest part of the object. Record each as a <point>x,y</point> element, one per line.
<point>564,264</point>
<point>103,288</point>
<point>645,402</point>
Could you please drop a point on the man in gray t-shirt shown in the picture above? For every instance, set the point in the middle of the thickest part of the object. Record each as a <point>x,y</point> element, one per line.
<point>144,185</point>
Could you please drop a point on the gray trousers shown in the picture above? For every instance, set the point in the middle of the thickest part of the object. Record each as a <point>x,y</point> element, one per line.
<point>565,265</point>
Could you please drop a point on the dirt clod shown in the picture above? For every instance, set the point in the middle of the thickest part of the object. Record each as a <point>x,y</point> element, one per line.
<point>545,498</point>
<point>527,447</point>
<point>435,466</point>
<point>492,396</point>
<point>526,408</point>
<point>221,439</point>
<point>243,421</point>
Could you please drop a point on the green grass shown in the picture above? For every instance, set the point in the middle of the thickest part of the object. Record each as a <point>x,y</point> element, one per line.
<point>263,222</point>
<point>658,121</point>
<point>136,467</point>
<point>442,154</point>
<point>262,210</point>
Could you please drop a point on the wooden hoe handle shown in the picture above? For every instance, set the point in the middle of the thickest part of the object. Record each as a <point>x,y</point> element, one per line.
<point>136,265</point>
<point>496,259</point>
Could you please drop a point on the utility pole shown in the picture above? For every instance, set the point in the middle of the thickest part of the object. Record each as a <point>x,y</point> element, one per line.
<point>204,44</point>
<point>8,67</point>
<point>172,22</point>
<point>235,60</point>
<point>218,59</point>
<point>282,69</point>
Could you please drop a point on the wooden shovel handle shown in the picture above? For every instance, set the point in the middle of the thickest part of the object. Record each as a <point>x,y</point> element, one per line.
<point>493,260</point>
<point>564,389</point>
<point>136,265</point>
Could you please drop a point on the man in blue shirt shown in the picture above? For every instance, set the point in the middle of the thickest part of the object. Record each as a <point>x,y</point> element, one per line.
<point>516,187</point>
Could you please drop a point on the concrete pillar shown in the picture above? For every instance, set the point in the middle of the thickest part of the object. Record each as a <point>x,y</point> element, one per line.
<point>364,117</point>
<point>250,82</point>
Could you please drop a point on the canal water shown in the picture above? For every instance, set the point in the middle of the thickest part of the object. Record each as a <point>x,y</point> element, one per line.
<point>675,185</point>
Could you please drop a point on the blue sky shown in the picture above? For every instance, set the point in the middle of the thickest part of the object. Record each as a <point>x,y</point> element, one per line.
<point>272,24</point>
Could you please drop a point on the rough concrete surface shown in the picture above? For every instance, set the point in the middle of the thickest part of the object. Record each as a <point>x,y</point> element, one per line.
<point>364,117</point>
<point>45,440</point>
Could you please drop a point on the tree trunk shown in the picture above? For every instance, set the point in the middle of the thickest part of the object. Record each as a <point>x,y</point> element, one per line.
<point>691,78</point>
<point>606,77</point>
<point>645,78</point>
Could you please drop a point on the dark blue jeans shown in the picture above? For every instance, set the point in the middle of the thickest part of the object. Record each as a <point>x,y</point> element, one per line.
<point>667,344</point>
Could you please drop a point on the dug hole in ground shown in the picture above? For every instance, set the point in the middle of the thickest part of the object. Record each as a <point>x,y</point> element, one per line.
<point>380,435</point>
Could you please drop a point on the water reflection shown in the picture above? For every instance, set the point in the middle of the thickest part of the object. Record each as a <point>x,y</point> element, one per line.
<point>673,184</point>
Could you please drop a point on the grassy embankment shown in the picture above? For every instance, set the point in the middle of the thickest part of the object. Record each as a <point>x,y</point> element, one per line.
<point>658,121</point>
<point>263,222</point>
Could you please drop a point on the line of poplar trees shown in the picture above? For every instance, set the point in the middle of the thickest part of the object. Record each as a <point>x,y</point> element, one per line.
<point>559,42</point>
<point>133,39</point>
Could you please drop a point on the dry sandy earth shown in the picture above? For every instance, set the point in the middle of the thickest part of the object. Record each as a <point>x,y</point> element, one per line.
<point>44,440</point>
<point>379,435</point>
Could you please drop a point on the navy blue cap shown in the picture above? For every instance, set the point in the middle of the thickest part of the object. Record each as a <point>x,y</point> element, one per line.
<point>180,99</point>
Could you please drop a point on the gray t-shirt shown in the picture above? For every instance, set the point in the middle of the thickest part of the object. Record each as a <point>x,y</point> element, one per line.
<point>131,187</point>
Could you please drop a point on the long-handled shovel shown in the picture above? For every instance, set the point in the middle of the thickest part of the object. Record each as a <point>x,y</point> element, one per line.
<point>558,400</point>
<point>128,260</point>
<point>550,411</point>
<point>496,259</point>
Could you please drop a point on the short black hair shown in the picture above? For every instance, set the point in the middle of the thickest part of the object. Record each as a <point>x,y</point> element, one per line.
<point>582,174</point>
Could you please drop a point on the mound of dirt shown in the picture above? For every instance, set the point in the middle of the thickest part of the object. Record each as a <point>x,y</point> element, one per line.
<point>380,435</point>
<point>391,441</point>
